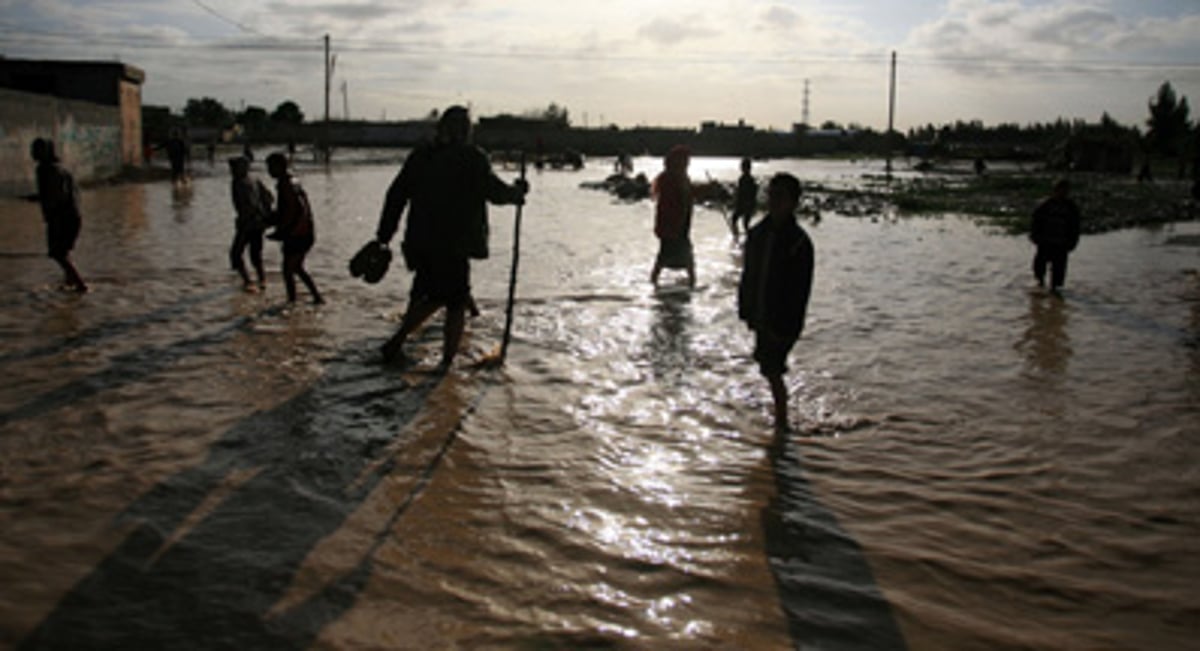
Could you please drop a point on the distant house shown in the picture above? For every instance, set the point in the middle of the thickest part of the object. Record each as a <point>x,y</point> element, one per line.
<point>92,110</point>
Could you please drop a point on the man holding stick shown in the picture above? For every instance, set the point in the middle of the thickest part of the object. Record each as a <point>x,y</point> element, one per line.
<point>448,183</point>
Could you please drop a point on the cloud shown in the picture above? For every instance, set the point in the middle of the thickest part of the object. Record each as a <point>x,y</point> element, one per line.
<point>1022,32</point>
<point>1074,27</point>
<point>341,11</point>
<point>672,31</point>
<point>780,17</point>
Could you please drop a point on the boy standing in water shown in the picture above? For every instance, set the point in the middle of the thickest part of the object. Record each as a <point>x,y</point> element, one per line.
<point>1055,231</point>
<point>775,285</point>
<point>293,227</point>
<point>745,201</point>
<point>252,201</point>
<point>59,197</point>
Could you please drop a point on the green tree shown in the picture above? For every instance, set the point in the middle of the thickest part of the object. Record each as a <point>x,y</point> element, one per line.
<point>287,112</point>
<point>1168,121</point>
<point>556,114</point>
<point>253,119</point>
<point>207,112</point>
<point>553,114</point>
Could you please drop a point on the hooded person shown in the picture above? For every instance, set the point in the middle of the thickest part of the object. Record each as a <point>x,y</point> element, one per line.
<point>672,191</point>
<point>252,204</point>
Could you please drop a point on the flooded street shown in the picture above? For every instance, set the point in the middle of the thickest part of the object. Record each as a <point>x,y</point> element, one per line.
<point>978,465</point>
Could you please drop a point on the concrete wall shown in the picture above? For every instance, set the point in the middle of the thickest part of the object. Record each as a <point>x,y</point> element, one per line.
<point>87,137</point>
<point>131,122</point>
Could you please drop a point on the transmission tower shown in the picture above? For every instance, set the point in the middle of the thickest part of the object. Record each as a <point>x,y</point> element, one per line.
<point>804,114</point>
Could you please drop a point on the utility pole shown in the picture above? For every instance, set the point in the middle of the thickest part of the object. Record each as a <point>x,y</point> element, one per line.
<point>891,115</point>
<point>345,101</point>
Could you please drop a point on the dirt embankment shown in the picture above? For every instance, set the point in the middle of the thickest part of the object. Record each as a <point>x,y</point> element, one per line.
<point>1008,200</point>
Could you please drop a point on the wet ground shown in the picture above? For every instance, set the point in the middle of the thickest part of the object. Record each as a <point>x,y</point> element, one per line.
<point>979,465</point>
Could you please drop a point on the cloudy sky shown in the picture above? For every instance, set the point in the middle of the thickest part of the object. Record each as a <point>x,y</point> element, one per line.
<point>649,62</point>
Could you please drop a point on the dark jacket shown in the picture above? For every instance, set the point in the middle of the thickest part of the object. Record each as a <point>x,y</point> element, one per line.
<point>57,193</point>
<point>776,278</point>
<point>746,199</point>
<point>293,216</point>
<point>449,187</point>
<point>1056,224</point>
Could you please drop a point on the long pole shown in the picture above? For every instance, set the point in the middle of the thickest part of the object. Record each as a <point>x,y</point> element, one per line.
<point>512,274</point>
<point>891,114</point>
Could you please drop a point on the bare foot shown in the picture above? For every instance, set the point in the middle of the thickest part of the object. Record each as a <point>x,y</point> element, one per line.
<point>393,352</point>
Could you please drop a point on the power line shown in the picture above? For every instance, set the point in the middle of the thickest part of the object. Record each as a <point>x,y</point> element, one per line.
<point>222,17</point>
<point>21,36</point>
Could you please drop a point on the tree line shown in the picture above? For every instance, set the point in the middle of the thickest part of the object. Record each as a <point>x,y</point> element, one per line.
<point>1169,132</point>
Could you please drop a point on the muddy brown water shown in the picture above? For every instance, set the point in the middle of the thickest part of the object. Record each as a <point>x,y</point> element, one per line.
<point>979,465</point>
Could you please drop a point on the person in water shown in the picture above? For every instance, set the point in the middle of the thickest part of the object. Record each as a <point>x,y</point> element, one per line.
<point>59,197</point>
<point>776,281</point>
<point>294,227</point>
<point>672,190</point>
<point>1055,232</point>
<point>252,203</point>
<point>745,200</point>
<point>446,185</point>
<point>179,154</point>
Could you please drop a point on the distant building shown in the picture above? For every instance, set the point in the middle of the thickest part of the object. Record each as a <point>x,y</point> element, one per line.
<point>92,110</point>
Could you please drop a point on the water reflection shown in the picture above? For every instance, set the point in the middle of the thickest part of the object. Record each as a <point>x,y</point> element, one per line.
<point>181,201</point>
<point>669,345</point>
<point>1045,343</point>
<point>1193,341</point>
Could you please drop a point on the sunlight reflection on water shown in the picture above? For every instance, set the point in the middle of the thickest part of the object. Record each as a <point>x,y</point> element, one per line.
<point>972,452</point>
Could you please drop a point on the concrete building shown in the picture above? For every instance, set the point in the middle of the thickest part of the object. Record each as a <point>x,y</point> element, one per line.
<point>92,111</point>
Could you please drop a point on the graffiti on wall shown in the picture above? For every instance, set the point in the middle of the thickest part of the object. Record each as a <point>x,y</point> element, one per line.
<point>92,150</point>
<point>87,138</point>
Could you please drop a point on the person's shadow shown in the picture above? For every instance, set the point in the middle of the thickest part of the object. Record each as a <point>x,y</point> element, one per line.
<point>196,574</point>
<point>826,587</point>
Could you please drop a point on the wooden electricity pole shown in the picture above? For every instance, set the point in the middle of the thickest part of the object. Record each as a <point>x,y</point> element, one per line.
<point>891,115</point>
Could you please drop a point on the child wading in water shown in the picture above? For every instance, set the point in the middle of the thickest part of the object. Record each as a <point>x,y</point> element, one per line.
<point>252,201</point>
<point>775,286</point>
<point>293,227</point>
<point>59,197</point>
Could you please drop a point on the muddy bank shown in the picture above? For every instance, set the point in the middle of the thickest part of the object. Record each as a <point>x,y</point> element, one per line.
<point>1005,200</point>
<point>1008,200</point>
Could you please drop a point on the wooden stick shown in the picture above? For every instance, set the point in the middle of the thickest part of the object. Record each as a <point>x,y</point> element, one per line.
<point>512,275</point>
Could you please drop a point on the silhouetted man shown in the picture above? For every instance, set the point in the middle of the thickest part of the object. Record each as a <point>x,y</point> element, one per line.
<point>448,183</point>
<point>1055,231</point>
<point>178,153</point>
<point>775,285</point>
<point>59,197</point>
